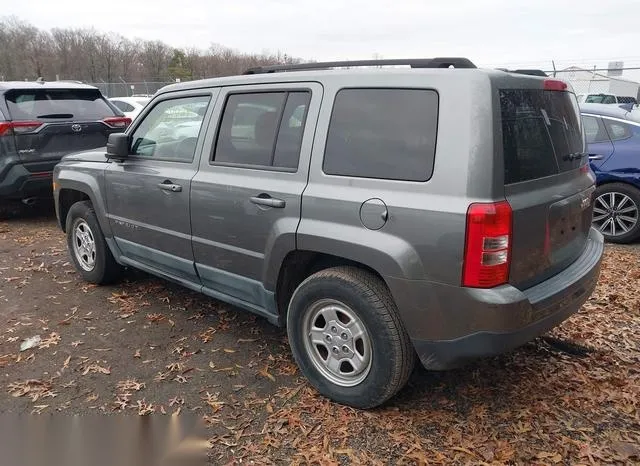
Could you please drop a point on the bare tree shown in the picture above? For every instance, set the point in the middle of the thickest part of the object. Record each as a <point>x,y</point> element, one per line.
<point>85,54</point>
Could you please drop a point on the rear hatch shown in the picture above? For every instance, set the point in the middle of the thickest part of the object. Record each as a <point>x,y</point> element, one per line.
<point>50,123</point>
<point>547,180</point>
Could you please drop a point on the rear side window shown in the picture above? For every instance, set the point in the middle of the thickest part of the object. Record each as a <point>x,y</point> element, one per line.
<point>617,130</point>
<point>57,104</point>
<point>383,133</point>
<point>263,129</point>
<point>123,106</point>
<point>541,134</point>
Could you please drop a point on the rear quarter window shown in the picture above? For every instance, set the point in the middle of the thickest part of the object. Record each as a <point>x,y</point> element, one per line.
<point>59,104</point>
<point>382,133</point>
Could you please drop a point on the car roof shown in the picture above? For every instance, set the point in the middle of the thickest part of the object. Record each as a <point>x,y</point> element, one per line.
<point>611,110</point>
<point>130,99</point>
<point>10,85</point>
<point>322,74</point>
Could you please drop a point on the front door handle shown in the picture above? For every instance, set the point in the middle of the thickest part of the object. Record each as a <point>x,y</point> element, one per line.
<point>595,157</point>
<point>268,201</point>
<point>168,186</point>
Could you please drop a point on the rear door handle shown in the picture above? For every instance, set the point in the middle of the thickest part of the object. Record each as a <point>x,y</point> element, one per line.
<point>266,200</point>
<point>595,157</point>
<point>174,188</point>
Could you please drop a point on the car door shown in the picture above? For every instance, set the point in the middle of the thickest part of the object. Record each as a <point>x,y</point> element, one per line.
<point>599,146</point>
<point>148,194</point>
<point>246,197</point>
<point>626,138</point>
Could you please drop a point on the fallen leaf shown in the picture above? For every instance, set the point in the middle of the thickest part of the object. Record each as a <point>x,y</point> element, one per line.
<point>265,373</point>
<point>626,450</point>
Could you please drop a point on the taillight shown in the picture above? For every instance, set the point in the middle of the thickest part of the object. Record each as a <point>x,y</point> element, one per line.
<point>118,122</point>
<point>8,128</point>
<point>487,254</point>
<point>554,85</point>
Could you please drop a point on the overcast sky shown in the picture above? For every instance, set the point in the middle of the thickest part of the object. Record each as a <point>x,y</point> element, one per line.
<point>489,32</point>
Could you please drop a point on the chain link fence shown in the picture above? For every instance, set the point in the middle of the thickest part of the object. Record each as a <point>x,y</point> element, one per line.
<point>128,89</point>
<point>593,84</point>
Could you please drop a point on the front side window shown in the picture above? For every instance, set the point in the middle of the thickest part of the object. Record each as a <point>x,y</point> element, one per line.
<point>382,133</point>
<point>170,130</point>
<point>262,129</point>
<point>594,129</point>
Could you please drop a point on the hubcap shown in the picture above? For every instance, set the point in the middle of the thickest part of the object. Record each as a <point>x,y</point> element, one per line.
<point>614,213</point>
<point>84,246</point>
<point>337,342</point>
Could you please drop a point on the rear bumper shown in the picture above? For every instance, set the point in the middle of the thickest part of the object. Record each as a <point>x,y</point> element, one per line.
<point>20,180</point>
<point>452,325</point>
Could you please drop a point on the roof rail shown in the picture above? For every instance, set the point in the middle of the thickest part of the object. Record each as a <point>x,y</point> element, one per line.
<point>444,62</point>
<point>527,72</point>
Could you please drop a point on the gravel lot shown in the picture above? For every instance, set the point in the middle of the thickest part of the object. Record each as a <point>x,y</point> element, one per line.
<point>146,346</point>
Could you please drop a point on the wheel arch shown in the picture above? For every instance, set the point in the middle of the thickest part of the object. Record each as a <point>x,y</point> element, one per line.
<point>78,186</point>
<point>298,265</point>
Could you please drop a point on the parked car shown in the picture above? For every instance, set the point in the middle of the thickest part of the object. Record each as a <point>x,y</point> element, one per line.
<point>42,121</point>
<point>613,138</point>
<point>130,106</point>
<point>378,214</point>
<point>606,99</point>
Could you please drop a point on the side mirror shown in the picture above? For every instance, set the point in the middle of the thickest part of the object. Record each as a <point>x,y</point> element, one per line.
<point>118,146</point>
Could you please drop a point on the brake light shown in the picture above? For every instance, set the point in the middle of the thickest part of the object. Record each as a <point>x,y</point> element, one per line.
<point>117,122</point>
<point>8,128</point>
<point>554,85</point>
<point>487,255</point>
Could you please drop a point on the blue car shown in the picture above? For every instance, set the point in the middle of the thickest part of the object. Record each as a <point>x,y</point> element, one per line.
<point>613,145</point>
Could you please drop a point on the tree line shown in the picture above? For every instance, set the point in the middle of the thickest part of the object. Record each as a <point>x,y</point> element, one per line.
<point>27,52</point>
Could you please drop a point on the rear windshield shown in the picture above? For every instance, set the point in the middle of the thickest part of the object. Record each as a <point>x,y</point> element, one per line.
<point>57,104</point>
<point>541,134</point>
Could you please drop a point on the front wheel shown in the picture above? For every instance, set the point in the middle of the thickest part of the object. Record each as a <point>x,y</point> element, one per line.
<point>616,212</point>
<point>88,249</point>
<point>347,338</point>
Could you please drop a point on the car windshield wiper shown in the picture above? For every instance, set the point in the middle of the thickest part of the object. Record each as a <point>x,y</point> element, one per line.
<point>575,156</point>
<point>56,115</point>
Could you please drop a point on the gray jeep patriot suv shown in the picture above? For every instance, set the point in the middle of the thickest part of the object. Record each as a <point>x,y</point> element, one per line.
<point>437,211</point>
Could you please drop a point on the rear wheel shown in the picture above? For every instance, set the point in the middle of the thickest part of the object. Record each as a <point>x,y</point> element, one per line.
<point>87,246</point>
<point>616,212</point>
<point>347,338</point>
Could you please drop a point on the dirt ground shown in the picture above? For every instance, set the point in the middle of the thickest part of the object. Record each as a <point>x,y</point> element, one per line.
<point>147,347</point>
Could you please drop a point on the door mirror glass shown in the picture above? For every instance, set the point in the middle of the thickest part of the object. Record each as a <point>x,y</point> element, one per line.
<point>118,146</point>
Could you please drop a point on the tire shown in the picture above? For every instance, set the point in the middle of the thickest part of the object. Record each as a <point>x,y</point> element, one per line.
<point>95,265</point>
<point>359,299</point>
<point>627,198</point>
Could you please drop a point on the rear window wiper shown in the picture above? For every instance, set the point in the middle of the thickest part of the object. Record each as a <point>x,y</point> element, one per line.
<point>575,156</point>
<point>56,115</point>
